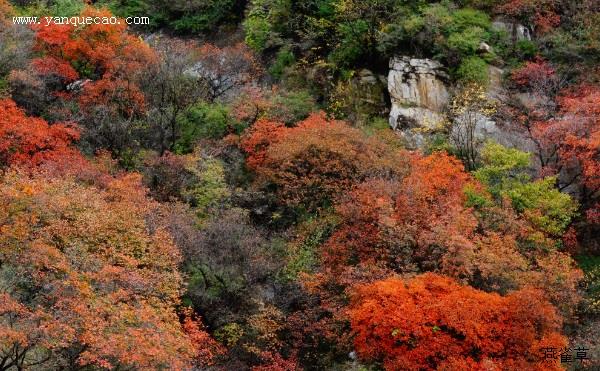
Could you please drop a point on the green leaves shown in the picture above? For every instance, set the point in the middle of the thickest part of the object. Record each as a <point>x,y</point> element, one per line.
<point>504,171</point>
<point>204,120</point>
<point>544,205</point>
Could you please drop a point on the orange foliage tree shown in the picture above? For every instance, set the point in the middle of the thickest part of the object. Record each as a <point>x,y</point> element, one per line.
<point>104,54</point>
<point>422,223</point>
<point>407,224</point>
<point>317,159</point>
<point>432,322</point>
<point>30,141</point>
<point>87,283</point>
<point>98,66</point>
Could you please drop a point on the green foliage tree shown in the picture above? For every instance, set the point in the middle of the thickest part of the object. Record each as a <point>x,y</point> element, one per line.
<point>504,171</point>
<point>204,120</point>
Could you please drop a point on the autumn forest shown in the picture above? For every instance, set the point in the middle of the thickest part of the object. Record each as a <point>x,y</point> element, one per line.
<point>286,185</point>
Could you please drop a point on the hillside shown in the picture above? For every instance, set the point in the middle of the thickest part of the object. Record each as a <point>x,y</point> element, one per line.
<point>276,185</point>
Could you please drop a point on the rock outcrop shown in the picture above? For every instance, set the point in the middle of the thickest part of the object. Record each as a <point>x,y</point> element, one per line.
<point>514,30</point>
<point>418,92</point>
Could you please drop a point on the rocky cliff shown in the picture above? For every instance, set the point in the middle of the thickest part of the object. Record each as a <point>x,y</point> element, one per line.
<point>418,93</point>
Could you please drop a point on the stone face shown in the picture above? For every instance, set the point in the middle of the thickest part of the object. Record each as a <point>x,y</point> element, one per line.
<point>515,30</point>
<point>495,90</point>
<point>363,96</point>
<point>418,92</point>
<point>418,82</point>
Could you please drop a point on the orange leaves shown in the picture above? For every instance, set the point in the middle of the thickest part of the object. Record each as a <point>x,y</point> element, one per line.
<point>257,140</point>
<point>401,223</point>
<point>431,321</point>
<point>30,141</point>
<point>436,183</point>
<point>5,9</point>
<point>51,65</point>
<point>84,260</point>
<point>105,54</point>
<point>317,159</point>
<point>206,348</point>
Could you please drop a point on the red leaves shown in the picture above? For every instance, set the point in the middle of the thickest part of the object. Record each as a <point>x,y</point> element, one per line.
<point>30,141</point>
<point>106,54</point>
<point>51,65</point>
<point>422,211</point>
<point>538,75</point>
<point>573,140</point>
<point>257,140</point>
<point>432,322</point>
<point>542,13</point>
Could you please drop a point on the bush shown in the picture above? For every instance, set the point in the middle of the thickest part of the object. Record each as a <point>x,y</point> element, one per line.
<point>66,8</point>
<point>504,171</point>
<point>257,33</point>
<point>473,69</point>
<point>466,42</point>
<point>465,18</point>
<point>263,21</point>
<point>544,205</point>
<point>285,58</point>
<point>526,49</point>
<point>291,107</point>
<point>352,44</point>
<point>203,120</point>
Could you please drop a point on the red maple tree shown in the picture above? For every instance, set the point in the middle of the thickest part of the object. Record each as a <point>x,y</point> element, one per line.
<point>30,141</point>
<point>431,322</point>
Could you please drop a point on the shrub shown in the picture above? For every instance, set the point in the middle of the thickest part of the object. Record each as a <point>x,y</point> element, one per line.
<point>204,120</point>
<point>466,42</point>
<point>465,18</point>
<point>473,70</point>
<point>66,8</point>
<point>526,49</point>
<point>264,19</point>
<point>291,107</point>
<point>433,322</point>
<point>284,58</point>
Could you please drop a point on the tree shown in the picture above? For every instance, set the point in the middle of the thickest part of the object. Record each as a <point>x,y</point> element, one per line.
<point>504,171</point>
<point>543,14</point>
<point>225,69</point>
<point>98,66</point>
<point>257,140</point>
<point>407,225</point>
<point>438,219</point>
<point>228,262</point>
<point>170,90</point>
<point>469,109</point>
<point>571,146</point>
<point>537,76</point>
<point>432,322</point>
<point>30,141</point>
<point>317,159</point>
<point>16,41</point>
<point>87,283</point>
